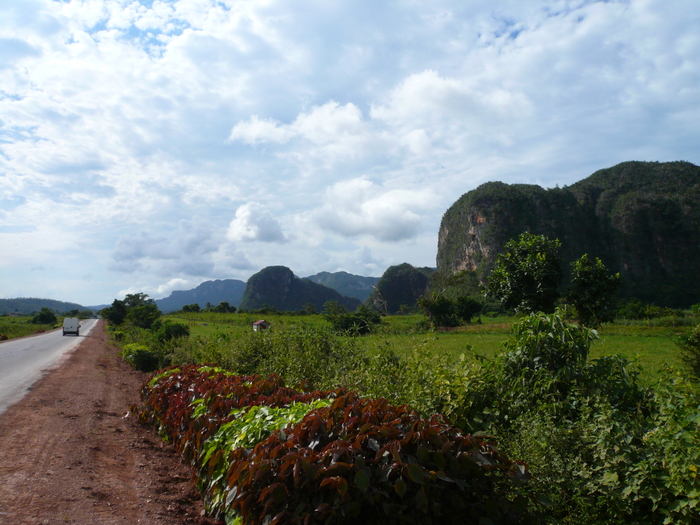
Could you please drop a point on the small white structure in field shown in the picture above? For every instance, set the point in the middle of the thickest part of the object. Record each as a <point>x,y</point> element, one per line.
<point>260,326</point>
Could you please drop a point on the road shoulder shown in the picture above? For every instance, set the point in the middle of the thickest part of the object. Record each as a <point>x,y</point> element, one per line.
<point>71,453</point>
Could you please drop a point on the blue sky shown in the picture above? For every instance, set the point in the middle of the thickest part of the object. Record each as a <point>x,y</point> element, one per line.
<point>152,145</point>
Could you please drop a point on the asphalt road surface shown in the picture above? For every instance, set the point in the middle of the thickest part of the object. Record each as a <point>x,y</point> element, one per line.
<point>22,361</point>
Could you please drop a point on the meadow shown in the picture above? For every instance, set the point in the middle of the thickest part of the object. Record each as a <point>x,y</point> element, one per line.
<point>606,421</point>
<point>13,327</point>
<point>650,347</point>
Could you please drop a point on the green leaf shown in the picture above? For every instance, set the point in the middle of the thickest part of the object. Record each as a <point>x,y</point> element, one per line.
<point>543,500</point>
<point>415,473</point>
<point>421,500</point>
<point>610,477</point>
<point>362,481</point>
<point>400,487</point>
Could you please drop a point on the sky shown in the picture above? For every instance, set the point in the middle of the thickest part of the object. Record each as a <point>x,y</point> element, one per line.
<point>151,145</point>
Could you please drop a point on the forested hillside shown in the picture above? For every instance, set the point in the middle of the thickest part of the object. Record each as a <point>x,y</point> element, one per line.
<point>641,218</point>
<point>30,305</point>
<point>278,287</point>
<point>212,292</point>
<point>346,283</point>
<point>399,288</point>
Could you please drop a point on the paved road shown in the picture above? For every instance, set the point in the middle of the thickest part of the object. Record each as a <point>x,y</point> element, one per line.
<point>23,360</point>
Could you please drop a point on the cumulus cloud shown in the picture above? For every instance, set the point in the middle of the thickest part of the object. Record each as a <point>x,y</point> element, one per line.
<point>359,207</point>
<point>254,222</point>
<point>135,115</point>
<point>322,125</point>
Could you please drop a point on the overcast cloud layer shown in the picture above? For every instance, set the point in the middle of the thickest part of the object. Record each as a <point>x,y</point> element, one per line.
<point>152,145</point>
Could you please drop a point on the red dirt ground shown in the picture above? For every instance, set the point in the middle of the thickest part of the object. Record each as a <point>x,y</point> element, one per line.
<point>70,451</point>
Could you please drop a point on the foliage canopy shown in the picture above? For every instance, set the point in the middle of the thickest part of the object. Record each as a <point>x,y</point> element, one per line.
<point>527,274</point>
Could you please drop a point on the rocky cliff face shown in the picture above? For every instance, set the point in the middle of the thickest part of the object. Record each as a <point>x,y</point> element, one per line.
<point>278,287</point>
<point>641,218</point>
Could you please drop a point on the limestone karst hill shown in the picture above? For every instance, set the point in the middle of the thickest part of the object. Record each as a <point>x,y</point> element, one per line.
<point>641,218</point>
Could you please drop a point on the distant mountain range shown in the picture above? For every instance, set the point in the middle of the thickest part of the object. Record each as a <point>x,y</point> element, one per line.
<point>349,290</point>
<point>346,284</point>
<point>232,291</point>
<point>212,292</point>
<point>30,305</point>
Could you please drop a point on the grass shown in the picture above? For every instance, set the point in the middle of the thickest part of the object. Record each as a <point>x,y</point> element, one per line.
<point>651,347</point>
<point>14,327</point>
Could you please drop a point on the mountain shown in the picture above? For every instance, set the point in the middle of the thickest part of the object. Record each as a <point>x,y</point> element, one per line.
<point>213,292</point>
<point>400,285</point>
<point>30,305</point>
<point>278,287</point>
<point>346,284</point>
<point>641,218</point>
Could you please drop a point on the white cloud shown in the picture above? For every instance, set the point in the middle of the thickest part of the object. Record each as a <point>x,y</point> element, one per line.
<point>121,118</point>
<point>330,123</point>
<point>258,130</point>
<point>254,222</point>
<point>359,207</point>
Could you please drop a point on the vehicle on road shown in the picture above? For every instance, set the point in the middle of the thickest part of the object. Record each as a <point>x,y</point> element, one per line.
<point>71,325</point>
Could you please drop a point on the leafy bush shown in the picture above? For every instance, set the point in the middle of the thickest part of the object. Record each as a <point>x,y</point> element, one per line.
<point>592,291</point>
<point>169,330</point>
<point>248,427</point>
<point>689,345</point>
<point>366,460</point>
<point>140,357</point>
<point>45,316</point>
<point>360,322</point>
<point>443,311</point>
<point>355,459</point>
<point>616,452</point>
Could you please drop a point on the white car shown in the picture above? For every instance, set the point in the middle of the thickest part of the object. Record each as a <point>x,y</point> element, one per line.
<point>71,325</point>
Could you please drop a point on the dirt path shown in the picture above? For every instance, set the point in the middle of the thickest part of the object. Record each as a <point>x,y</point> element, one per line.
<point>70,454</point>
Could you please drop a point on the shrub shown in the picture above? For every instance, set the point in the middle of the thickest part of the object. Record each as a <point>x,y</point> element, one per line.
<point>169,330</point>
<point>354,459</point>
<point>45,316</point>
<point>689,345</point>
<point>140,357</point>
<point>367,460</point>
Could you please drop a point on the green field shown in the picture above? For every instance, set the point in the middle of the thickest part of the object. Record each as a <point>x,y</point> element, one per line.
<point>651,347</point>
<point>13,327</point>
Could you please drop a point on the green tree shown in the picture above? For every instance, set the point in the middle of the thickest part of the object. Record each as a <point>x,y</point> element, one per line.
<point>133,300</point>
<point>45,316</point>
<point>138,309</point>
<point>443,311</point>
<point>439,310</point>
<point>592,291</point>
<point>116,313</point>
<point>143,316</point>
<point>309,309</point>
<point>527,274</point>
<point>467,307</point>
<point>225,308</point>
<point>190,308</point>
